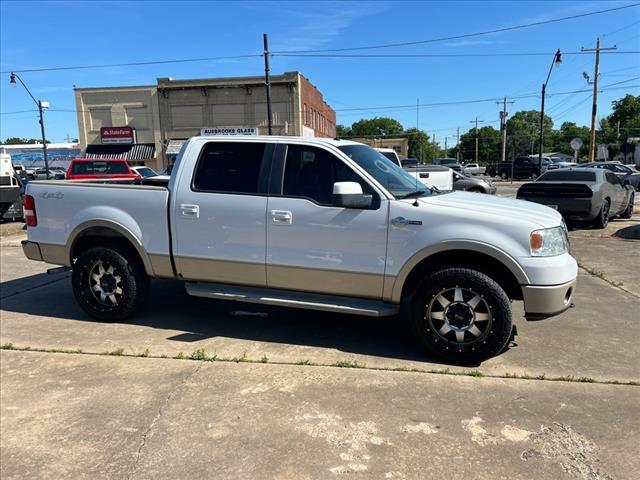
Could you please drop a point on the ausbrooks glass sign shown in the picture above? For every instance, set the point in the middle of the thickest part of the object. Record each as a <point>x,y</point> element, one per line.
<point>208,132</point>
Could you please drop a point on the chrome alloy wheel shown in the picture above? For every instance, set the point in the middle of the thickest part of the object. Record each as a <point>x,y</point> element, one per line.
<point>459,316</point>
<point>105,283</point>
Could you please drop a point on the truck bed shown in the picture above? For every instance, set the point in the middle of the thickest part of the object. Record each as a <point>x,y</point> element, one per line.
<point>64,207</point>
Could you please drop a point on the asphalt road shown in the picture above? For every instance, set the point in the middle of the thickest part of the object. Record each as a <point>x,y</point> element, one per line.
<point>73,415</point>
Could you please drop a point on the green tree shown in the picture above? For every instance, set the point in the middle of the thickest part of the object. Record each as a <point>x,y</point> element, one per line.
<point>22,141</point>
<point>420,146</point>
<point>568,131</point>
<point>378,126</point>
<point>343,132</point>
<point>623,122</point>
<point>489,145</point>
<point>523,132</point>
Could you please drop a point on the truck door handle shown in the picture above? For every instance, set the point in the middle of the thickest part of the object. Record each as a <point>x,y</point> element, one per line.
<point>281,217</point>
<point>190,210</point>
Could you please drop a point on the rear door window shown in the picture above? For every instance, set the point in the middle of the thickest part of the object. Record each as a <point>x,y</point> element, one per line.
<point>229,167</point>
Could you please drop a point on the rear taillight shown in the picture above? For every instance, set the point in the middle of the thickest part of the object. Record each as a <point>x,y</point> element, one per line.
<point>29,210</point>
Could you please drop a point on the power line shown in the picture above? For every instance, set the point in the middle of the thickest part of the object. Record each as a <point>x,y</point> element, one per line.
<point>436,55</point>
<point>130,64</point>
<point>16,112</point>
<point>464,102</point>
<point>467,35</point>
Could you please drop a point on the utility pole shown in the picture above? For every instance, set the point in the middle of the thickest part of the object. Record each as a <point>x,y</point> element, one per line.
<point>435,148</point>
<point>445,146</point>
<point>267,81</point>
<point>458,145</point>
<point>476,122</point>
<point>41,106</point>
<point>503,127</point>
<point>418,130</point>
<point>594,108</point>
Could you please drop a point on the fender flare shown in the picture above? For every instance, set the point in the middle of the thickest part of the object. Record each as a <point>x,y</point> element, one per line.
<point>76,233</point>
<point>504,258</point>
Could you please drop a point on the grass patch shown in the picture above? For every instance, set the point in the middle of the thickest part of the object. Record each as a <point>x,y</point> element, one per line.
<point>601,275</point>
<point>199,354</point>
<point>349,364</point>
<point>242,358</point>
<point>305,362</point>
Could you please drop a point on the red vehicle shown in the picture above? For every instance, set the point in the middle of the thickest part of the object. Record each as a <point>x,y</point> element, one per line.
<point>98,169</point>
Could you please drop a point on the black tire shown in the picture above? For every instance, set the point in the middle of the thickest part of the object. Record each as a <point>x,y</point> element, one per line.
<point>123,285</point>
<point>476,190</point>
<point>628,212</point>
<point>441,336</point>
<point>504,175</point>
<point>602,220</point>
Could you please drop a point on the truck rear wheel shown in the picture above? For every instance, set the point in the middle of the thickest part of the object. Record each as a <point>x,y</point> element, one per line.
<point>109,282</point>
<point>461,315</point>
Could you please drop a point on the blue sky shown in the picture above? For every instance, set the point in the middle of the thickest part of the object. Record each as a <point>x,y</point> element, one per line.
<point>45,34</point>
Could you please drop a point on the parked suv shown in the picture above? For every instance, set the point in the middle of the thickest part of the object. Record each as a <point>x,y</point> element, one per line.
<point>320,224</point>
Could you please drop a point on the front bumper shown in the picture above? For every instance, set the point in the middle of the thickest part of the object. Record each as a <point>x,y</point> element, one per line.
<point>544,301</point>
<point>32,250</point>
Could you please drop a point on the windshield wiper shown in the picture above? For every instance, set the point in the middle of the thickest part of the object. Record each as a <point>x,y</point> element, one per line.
<point>417,193</point>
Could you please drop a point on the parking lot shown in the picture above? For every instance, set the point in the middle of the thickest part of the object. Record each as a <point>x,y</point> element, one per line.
<point>203,388</point>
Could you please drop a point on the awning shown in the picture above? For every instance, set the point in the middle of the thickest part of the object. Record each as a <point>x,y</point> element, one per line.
<point>138,151</point>
<point>174,146</point>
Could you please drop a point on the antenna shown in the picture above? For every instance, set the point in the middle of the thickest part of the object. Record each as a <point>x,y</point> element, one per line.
<point>415,203</point>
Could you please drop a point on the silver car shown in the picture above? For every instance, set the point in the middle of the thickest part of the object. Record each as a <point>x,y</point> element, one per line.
<point>595,195</point>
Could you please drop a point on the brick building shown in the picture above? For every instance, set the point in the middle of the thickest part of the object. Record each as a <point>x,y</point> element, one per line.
<point>164,115</point>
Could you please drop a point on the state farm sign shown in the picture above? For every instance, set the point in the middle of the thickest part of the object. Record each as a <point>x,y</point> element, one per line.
<point>122,135</point>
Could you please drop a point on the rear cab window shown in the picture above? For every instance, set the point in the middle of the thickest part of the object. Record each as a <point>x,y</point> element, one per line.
<point>104,167</point>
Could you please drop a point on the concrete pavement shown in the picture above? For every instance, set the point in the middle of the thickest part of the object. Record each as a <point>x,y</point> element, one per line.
<point>82,416</point>
<point>66,415</point>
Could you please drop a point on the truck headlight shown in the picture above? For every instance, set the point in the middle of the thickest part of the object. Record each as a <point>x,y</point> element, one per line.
<point>548,242</point>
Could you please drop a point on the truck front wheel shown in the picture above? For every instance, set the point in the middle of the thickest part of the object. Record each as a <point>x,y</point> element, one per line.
<point>461,315</point>
<point>109,282</point>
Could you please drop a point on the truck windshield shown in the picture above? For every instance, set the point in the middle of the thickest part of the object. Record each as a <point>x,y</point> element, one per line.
<point>388,174</point>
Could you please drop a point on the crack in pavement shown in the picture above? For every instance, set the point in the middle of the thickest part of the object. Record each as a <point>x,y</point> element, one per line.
<point>595,273</point>
<point>155,420</point>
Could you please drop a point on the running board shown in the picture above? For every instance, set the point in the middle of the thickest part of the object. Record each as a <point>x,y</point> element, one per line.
<point>286,298</point>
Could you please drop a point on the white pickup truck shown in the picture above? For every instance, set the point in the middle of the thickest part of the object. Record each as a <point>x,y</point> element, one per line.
<point>473,169</point>
<point>310,223</point>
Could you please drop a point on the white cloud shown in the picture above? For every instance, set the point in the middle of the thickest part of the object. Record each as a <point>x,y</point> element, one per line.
<point>309,26</point>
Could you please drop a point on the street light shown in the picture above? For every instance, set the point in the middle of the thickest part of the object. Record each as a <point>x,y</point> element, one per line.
<point>557,60</point>
<point>41,106</point>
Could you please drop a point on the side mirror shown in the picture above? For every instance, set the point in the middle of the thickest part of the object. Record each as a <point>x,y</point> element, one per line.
<point>349,195</point>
